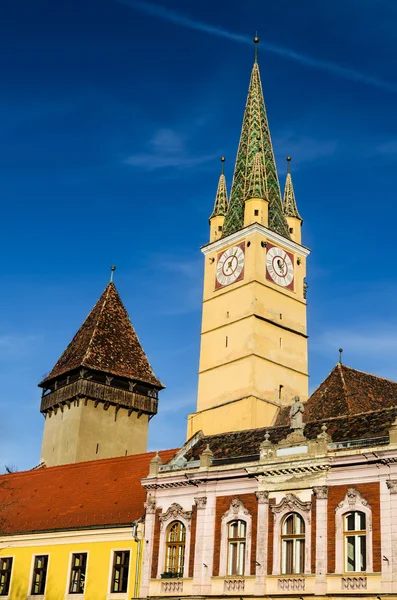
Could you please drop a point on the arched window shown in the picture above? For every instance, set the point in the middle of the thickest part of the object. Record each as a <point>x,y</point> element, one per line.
<point>355,541</point>
<point>236,543</point>
<point>293,544</point>
<point>175,548</point>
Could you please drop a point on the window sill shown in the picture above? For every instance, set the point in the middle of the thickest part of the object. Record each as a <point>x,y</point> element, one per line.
<point>73,597</point>
<point>117,596</point>
<point>30,597</point>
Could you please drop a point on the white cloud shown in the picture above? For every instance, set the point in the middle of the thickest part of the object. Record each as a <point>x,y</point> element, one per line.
<point>167,148</point>
<point>301,149</point>
<point>177,18</point>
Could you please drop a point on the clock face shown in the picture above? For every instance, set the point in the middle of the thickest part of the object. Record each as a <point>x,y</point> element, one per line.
<point>230,266</point>
<point>279,266</point>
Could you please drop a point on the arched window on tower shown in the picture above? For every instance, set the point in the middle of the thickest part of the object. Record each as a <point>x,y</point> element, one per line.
<point>355,541</point>
<point>175,548</point>
<point>293,544</point>
<point>237,532</point>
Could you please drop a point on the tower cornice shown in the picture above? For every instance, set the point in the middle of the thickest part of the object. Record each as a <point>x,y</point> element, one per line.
<point>241,234</point>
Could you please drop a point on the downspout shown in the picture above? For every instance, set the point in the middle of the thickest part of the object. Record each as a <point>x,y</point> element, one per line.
<point>138,537</point>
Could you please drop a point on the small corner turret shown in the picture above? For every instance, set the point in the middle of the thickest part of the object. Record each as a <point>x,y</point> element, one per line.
<point>290,208</point>
<point>221,204</point>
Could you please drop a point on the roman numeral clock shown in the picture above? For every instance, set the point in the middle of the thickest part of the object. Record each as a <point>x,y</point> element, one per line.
<point>280,266</point>
<point>230,266</point>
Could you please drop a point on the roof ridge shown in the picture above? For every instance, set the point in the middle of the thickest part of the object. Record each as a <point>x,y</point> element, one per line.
<point>369,374</point>
<point>86,462</point>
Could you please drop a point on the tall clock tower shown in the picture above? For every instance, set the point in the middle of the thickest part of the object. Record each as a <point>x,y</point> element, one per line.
<point>253,356</point>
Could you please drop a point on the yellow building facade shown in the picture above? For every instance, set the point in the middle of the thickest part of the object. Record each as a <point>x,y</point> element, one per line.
<point>253,355</point>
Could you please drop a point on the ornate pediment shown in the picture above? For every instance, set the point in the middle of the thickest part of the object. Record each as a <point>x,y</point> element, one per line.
<point>291,503</point>
<point>175,511</point>
<point>235,510</point>
<point>352,500</point>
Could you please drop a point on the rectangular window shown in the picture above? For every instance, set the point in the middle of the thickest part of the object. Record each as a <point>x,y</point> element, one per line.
<point>121,564</point>
<point>256,213</point>
<point>5,575</point>
<point>77,574</point>
<point>39,578</point>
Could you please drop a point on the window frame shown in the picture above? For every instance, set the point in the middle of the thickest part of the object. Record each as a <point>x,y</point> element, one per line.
<point>356,534</point>
<point>2,571</point>
<point>237,542</point>
<point>352,502</point>
<point>175,544</point>
<point>294,537</point>
<point>175,512</point>
<point>236,512</point>
<point>71,568</point>
<point>112,570</point>
<point>32,576</point>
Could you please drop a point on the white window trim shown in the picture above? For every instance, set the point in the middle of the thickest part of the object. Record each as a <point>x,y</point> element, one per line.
<point>174,513</point>
<point>11,578</point>
<point>236,512</point>
<point>291,504</point>
<point>352,502</point>
<point>120,595</point>
<point>29,595</point>
<point>69,596</point>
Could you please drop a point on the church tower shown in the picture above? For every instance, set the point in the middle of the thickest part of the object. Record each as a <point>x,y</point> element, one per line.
<point>253,356</point>
<point>101,394</point>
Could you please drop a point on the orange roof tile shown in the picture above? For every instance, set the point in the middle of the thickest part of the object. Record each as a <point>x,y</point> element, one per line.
<point>83,495</point>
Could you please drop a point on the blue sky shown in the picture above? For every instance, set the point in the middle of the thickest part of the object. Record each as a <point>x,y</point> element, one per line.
<point>113,116</point>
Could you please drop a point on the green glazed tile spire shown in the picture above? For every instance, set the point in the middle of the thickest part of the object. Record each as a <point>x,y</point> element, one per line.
<point>221,200</point>
<point>255,138</point>
<point>290,207</point>
<point>257,185</point>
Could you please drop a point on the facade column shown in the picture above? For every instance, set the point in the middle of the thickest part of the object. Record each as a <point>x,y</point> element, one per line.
<point>392,485</point>
<point>150,518</point>
<point>200,571</point>
<point>262,541</point>
<point>386,533</point>
<point>321,493</point>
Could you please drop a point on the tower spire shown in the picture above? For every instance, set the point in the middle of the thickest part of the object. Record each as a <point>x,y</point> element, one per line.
<point>255,137</point>
<point>257,186</point>
<point>290,207</point>
<point>221,200</point>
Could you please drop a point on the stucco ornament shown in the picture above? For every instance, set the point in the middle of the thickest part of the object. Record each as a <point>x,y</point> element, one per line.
<point>150,505</point>
<point>201,502</point>
<point>290,503</point>
<point>296,415</point>
<point>175,511</point>
<point>352,498</point>
<point>321,492</point>
<point>392,485</point>
<point>262,496</point>
<point>236,507</point>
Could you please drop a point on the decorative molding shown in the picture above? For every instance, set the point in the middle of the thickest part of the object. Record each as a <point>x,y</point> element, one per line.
<point>175,511</point>
<point>262,497</point>
<point>321,492</point>
<point>201,502</point>
<point>392,485</point>
<point>354,583</point>
<point>241,234</point>
<point>150,505</point>
<point>290,503</point>
<point>234,585</point>
<point>172,587</point>
<point>296,584</point>
<point>351,499</point>
<point>236,507</point>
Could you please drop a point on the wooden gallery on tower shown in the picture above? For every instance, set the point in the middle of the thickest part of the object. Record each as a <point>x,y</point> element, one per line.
<point>275,494</point>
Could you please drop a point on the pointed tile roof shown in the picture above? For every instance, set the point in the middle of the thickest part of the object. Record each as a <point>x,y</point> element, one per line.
<point>289,204</point>
<point>257,185</point>
<point>255,137</point>
<point>346,391</point>
<point>107,342</point>
<point>221,200</point>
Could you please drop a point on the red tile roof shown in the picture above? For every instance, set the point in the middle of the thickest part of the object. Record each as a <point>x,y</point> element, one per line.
<point>107,342</point>
<point>346,391</point>
<point>83,495</point>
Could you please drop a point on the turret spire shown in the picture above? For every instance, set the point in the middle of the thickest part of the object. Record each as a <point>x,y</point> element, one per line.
<point>257,186</point>
<point>290,208</point>
<point>255,138</point>
<point>221,200</point>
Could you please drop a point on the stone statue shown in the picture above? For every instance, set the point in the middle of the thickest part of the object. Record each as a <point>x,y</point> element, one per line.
<point>295,415</point>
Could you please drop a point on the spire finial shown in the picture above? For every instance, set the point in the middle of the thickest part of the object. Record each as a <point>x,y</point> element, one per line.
<point>288,164</point>
<point>256,42</point>
<point>223,164</point>
<point>340,355</point>
<point>112,270</point>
